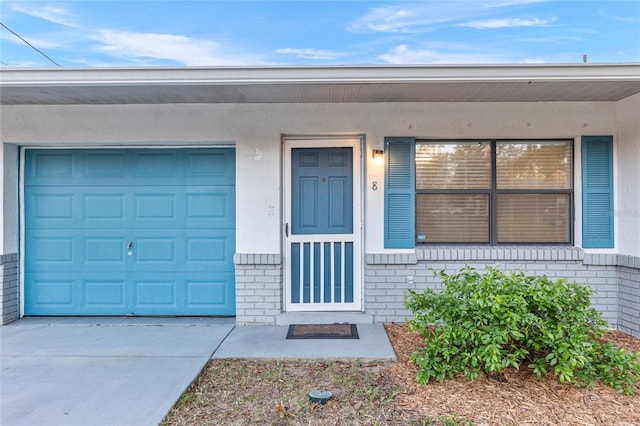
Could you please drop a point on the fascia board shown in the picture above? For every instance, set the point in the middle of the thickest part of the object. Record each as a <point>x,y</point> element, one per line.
<point>389,74</point>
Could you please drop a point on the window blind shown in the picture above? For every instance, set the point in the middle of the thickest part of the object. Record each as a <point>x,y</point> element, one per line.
<point>453,165</point>
<point>537,165</point>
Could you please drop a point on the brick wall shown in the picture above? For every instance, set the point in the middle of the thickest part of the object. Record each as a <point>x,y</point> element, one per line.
<point>258,288</point>
<point>9,288</point>
<point>629,295</point>
<point>615,279</point>
<point>387,277</point>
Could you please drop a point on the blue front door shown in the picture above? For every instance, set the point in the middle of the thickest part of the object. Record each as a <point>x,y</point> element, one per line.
<point>321,247</point>
<point>322,191</point>
<point>129,232</point>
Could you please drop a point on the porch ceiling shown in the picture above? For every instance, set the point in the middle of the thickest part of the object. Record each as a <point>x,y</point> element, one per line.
<point>479,83</point>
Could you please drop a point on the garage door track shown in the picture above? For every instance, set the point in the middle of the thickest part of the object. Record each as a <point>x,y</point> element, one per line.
<point>79,371</point>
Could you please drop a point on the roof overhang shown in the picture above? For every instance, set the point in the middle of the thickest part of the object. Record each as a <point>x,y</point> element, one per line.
<point>315,84</point>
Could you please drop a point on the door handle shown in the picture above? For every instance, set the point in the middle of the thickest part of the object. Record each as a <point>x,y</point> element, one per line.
<point>129,244</point>
<point>286,230</point>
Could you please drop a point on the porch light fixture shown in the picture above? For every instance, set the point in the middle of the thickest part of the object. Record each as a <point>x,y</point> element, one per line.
<point>378,155</point>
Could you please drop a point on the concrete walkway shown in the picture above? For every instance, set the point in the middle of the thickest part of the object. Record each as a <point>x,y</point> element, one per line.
<point>131,371</point>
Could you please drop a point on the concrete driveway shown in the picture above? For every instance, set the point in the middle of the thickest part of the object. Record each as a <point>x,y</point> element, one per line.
<point>102,371</point>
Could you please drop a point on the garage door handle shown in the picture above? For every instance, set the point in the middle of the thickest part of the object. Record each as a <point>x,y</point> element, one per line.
<point>129,245</point>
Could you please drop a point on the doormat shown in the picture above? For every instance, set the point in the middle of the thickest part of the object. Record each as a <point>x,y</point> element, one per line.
<point>323,331</point>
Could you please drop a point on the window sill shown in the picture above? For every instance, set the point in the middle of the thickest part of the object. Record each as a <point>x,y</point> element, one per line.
<point>531,253</point>
<point>479,253</point>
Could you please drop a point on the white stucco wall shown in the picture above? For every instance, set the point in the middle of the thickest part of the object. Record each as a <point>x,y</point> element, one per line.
<point>9,201</point>
<point>627,213</point>
<point>257,129</point>
<point>2,203</point>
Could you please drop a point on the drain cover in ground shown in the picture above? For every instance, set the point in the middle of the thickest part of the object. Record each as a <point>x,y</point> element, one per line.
<point>322,331</point>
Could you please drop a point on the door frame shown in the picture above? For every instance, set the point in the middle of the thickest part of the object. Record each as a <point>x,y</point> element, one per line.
<point>355,142</point>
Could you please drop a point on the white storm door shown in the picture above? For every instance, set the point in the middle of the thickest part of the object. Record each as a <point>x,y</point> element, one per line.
<point>322,225</point>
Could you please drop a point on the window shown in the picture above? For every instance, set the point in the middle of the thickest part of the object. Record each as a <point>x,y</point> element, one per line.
<point>493,192</point>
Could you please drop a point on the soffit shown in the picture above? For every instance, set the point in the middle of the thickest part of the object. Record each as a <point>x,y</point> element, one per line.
<point>515,83</point>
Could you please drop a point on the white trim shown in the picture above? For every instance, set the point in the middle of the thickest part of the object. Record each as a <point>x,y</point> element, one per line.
<point>177,76</point>
<point>21,231</point>
<point>116,145</point>
<point>356,143</point>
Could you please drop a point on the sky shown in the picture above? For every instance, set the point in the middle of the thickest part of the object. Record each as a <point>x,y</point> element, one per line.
<point>77,34</point>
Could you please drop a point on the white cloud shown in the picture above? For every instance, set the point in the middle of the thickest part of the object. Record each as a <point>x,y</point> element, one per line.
<point>37,42</point>
<point>549,39</point>
<point>397,19</point>
<point>421,17</point>
<point>57,14</point>
<point>184,50</point>
<point>629,19</point>
<point>507,23</point>
<point>325,55</point>
<point>24,64</point>
<point>402,54</point>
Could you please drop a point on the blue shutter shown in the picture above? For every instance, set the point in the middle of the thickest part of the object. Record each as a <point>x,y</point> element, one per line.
<point>399,193</point>
<point>597,191</point>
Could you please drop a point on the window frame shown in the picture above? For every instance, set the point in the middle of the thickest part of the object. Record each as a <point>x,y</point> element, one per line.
<point>493,192</point>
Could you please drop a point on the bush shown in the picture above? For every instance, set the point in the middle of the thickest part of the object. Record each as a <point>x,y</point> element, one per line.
<point>483,323</point>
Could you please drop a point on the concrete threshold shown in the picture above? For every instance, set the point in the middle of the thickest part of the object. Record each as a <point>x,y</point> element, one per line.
<point>269,342</point>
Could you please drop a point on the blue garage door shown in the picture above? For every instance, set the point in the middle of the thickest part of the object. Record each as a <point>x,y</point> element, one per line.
<point>129,232</point>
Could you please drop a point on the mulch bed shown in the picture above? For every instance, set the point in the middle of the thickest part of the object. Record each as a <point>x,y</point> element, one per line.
<point>514,397</point>
<point>240,392</point>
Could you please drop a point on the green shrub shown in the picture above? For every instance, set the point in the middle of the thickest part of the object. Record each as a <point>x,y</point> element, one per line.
<point>483,323</point>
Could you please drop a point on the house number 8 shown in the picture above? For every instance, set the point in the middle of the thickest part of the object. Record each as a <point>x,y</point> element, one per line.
<point>374,185</point>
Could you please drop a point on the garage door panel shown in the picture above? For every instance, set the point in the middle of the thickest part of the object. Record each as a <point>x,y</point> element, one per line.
<point>58,293</point>
<point>214,206</point>
<point>95,207</point>
<point>50,168</point>
<point>153,207</point>
<point>185,207</point>
<point>48,207</point>
<point>75,207</point>
<point>57,250</point>
<point>155,294</point>
<point>211,250</point>
<point>106,251</point>
<point>196,294</point>
<point>143,232</point>
<point>156,250</point>
<point>51,248</point>
<point>104,164</point>
<point>210,292</point>
<point>214,248</point>
<point>51,291</point>
<point>204,166</point>
<point>160,164</point>
<point>53,168</point>
<point>170,250</point>
<point>210,167</point>
<point>105,293</point>
<point>105,208</point>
